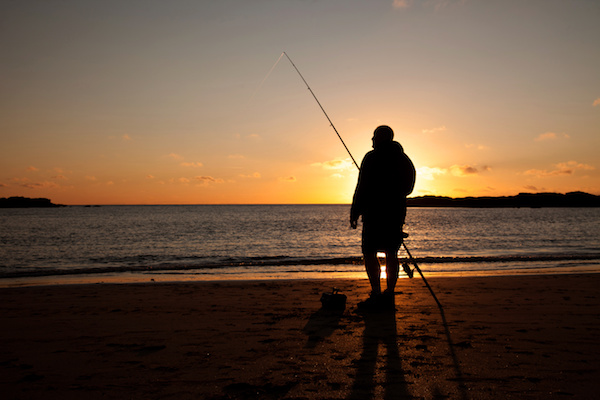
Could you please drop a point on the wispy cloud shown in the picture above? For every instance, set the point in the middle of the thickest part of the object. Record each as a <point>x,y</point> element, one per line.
<point>175,156</point>
<point>433,130</point>
<point>534,188</point>
<point>564,168</point>
<point>40,185</point>
<point>435,4</point>
<point>477,146</point>
<point>289,179</point>
<point>32,168</point>
<point>429,174</point>
<point>402,3</point>
<point>575,165</point>
<point>596,102</point>
<point>335,164</point>
<point>208,179</point>
<point>255,175</point>
<point>192,164</point>
<point>467,170</point>
<point>551,136</point>
<point>187,164</point>
<point>126,138</point>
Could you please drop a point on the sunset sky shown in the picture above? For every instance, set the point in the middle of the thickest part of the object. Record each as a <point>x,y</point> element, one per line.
<point>177,102</point>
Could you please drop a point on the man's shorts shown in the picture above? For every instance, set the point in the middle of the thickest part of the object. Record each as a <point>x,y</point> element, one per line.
<point>381,237</point>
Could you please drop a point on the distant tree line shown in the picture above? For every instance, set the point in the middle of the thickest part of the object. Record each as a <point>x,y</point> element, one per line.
<point>26,202</point>
<point>535,200</point>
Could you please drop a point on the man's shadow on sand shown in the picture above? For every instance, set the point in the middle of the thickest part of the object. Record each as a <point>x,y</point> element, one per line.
<point>380,341</point>
<point>380,335</point>
<point>380,331</point>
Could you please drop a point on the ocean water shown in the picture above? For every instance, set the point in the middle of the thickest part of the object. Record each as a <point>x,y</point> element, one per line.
<point>285,241</point>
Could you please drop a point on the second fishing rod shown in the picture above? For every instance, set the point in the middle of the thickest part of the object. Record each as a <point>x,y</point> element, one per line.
<point>413,261</point>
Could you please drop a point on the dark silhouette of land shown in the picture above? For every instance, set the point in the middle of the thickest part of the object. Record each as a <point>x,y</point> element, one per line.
<point>535,200</point>
<point>26,202</point>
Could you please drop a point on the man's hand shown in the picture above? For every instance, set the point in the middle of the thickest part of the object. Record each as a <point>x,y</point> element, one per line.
<point>353,223</point>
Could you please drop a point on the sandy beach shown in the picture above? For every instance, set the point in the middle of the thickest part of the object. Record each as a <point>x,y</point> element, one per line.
<point>506,337</point>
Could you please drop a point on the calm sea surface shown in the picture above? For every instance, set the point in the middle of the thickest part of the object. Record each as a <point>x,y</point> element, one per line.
<point>286,241</point>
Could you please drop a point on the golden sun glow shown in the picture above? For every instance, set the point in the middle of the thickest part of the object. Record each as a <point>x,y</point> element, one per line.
<point>197,112</point>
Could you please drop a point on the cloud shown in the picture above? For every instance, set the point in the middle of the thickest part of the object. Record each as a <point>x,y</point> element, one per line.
<point>596,102</point>
<point>335,164</point>
<point>208,179</point>
<point>574,165</point>
<point>435,4</point>
<point>551,136</point>
<point>430,173</point>
<point>192,164</point>
<point>289,179</point>
<point>175,156</point>
<point>126,138</point>
<point>61,177</point>
<point>40,185</point>
<point>438,129</point>
<point>402,3</point>
<point>533,188</point>
<point>564,168</point>
<point>467,170</point>
<point>255,175</point>
<point>149,176</point>
<point>477,146</point>
<point>32,168</point>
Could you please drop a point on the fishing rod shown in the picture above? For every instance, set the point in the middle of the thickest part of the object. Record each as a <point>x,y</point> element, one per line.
<point>322,109</point>
<point>413,261</point>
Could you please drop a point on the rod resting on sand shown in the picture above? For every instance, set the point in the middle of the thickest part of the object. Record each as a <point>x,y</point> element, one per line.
<point>346,147</point>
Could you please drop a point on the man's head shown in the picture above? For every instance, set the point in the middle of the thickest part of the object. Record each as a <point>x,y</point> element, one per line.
<point>382,134</point>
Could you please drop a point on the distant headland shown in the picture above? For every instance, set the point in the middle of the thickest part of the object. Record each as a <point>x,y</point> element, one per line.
<point>533,200</point>
<point>26,202</point>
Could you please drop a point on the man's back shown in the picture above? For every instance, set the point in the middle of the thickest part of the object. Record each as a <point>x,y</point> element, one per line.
<point>387,176</point>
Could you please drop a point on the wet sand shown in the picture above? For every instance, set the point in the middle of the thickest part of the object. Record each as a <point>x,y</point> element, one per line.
<point>493,338</point>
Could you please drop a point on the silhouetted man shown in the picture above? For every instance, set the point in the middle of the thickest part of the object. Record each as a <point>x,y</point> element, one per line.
<point>386,177</point>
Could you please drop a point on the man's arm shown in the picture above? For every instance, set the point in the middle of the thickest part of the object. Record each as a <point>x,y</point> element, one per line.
<point>357,201</point>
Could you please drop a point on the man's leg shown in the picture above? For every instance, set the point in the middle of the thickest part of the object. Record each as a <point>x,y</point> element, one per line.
<point>373,271</point>
<point>391,267</point>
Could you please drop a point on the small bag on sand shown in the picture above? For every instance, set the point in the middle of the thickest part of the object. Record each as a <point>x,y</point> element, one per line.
<point>333,300</point>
